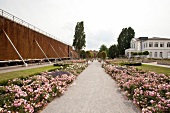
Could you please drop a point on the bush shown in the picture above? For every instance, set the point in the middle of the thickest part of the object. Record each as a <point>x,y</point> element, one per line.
<point>4,82</point>
<point>62,64</point>
<point>131,63</point>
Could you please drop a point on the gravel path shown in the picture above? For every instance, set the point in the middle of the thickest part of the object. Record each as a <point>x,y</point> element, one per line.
<point>92,92</point>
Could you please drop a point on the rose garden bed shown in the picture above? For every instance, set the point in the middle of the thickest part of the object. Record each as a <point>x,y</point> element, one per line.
<point>32,94</point>
<point>148,90</point>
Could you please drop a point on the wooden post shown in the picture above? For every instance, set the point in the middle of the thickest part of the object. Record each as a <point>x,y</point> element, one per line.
<point>25,64</point>
<point>55,51</point>
<point>42,50</point>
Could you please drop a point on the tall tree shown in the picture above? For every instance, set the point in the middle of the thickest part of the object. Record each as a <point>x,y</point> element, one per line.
<point>113,51</point>
<point>79,41</point>
<point>124,39</point>
<point>103,48</point>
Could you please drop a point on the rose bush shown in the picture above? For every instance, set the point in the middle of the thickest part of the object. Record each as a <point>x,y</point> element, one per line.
<point>28,95</point>
<point>150,91</point>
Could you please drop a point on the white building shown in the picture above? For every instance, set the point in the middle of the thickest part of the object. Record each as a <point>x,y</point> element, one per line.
<point>157,47</point>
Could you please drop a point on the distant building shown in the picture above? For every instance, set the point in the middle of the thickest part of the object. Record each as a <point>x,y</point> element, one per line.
<point>157,47</point>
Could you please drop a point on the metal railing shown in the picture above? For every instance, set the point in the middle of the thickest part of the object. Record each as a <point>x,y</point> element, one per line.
<point>26,24</point>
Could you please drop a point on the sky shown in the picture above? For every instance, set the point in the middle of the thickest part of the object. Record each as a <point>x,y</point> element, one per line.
<point>103,19</point>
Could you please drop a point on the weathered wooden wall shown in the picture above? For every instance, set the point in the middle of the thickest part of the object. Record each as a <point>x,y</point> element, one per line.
<point>23,39</point>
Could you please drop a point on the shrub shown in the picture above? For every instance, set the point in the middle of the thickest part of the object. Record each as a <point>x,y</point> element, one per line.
<point>63,65</point>
<point>4,82</point>
<point>133,64</point>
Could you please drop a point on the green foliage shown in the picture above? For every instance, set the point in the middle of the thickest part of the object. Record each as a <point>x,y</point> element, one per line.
<point>145,53</point>
<point>132,63</point>
<point>140,53</point>
<point>89,54</point>
<point>113,51</point>
<point>92,55</point>
<point>124,39</point>
<point>79,37</point>
<point>64,65</point>
<point>134,53</point>
<point>82,54</point>
<point>103,55</point>
<point>2,90</point>
<point>103,48</point>
<point>3,82</point>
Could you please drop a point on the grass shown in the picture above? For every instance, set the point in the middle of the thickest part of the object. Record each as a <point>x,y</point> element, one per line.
<point>157,69</point>
<point>25,73</point>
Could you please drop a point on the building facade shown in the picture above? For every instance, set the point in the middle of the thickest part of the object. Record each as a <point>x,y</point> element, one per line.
<point>157,47</point>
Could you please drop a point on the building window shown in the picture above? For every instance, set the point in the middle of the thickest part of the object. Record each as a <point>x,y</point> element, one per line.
<point>155,55</point>
<point>156,44</point>
<point>168,44</point>
<point>160,55</point>
<point>161,44</point>
<point>150,54</point>
<point>150,44</point>
<point>144,45</point>
<point>168,53</point>
<point>134,46</point>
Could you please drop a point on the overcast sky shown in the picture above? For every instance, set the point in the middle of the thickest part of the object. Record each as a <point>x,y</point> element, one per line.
<point>103,19</point>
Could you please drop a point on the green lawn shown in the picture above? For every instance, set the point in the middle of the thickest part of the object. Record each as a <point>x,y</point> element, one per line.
<point>157,69</point>
<point>25,73</point>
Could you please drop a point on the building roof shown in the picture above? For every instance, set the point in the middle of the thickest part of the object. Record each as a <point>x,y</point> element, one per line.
<point>131,50</point>
<point>158,38</point>
<point>135,39</point>
<point>143,38</point>
<point>146,38</point>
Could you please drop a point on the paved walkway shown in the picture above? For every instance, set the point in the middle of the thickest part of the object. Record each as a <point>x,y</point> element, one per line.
<point>92,92</point>
<point>155,64</point>
<point>20,67</point>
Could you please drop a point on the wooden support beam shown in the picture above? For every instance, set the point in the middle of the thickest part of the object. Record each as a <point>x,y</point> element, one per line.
<point>25,64</point>
<point>42,50</point>
<point>55,52</point>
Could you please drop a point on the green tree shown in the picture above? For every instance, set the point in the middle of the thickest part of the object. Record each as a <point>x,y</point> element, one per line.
<point>145,53</point>
<point>103,55</point>
<point>82,54</point>
<point>124,39</point>
<point>113,51</point>
<point>103,48</point>
<point>79,41</point>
